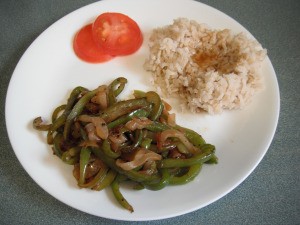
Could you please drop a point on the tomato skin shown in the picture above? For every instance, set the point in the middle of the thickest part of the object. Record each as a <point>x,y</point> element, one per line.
<point>86,49</point>
<point>117,34</point>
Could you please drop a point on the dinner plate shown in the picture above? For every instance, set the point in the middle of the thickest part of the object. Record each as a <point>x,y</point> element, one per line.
<point>49,70</point>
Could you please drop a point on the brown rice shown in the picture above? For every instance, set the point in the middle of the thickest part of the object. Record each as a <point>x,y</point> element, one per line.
<point>208,69</point>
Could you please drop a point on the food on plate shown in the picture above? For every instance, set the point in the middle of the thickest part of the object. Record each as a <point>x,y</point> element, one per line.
<point>86,49</point>
<point>111,34</point>
<point>117,34</point>
<point>207,69</point>
<point>110,141</point>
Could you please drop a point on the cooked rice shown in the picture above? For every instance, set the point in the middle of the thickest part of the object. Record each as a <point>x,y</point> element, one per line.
<point>208,69</point>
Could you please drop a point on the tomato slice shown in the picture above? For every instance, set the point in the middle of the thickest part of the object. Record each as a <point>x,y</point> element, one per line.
<point>117,34</point>
<point>86,49</point>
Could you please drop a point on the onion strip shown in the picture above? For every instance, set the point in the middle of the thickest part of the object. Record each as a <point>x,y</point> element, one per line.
<point>141,157</point>
<point>163,136</point>
<point>98,122</point>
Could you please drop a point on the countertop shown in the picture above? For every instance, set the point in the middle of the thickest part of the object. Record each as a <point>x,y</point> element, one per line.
<point>270,195</point>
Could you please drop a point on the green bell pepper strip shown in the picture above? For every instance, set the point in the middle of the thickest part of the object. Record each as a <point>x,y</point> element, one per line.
<point>158,106</point>
<point>56,145</point>
<point>208,152</point>
<point>195,138</point>
<point>97,179</point>
<point>60,121</point>
<point>107,150</point>
<point>57,111</point>
<point>164,181</point>
<point>38,124</point>
<point>138,186</point>
<point>83,134</point>
<point>146,143</point>
<point>124,119</point>
<point>74,96</point>
<point>131,174</point>
<point>85,154</point>
<point>193,171</point>
<point>71,156</point>
<point>150,135</point>
<point>70,104</point>
<point>107,180</point>
<point>139,94</point>
<point>122,108</point>
<point>50,137</point>
<point>115,88</point>
<point>182,148</point>
<point>77,109</point>
<point>214,160</point>
<point>122,81</point>
<point>157,126</point>
<point>118,195</point>
<point>208,148</point>
<point>138,137</point>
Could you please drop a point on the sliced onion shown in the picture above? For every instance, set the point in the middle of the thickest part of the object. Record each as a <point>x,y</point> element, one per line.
<point>171,119</point>
<point>117,140</point>
<point>163,136</point>
<point>138,123</point>
<point>90,129</point>
<point>93,167</point>
<point>141,157</point>
<point>149,168</point>
<point>99,123</point>
<point>101,97</point>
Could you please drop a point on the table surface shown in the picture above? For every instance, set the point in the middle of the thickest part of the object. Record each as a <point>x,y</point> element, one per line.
<point>270,195</point>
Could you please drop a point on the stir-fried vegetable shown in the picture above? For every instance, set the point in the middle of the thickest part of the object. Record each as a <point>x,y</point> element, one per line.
<point>111,141</point>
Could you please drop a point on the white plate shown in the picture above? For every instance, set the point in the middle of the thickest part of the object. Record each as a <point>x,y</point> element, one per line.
<point>49,70</point>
